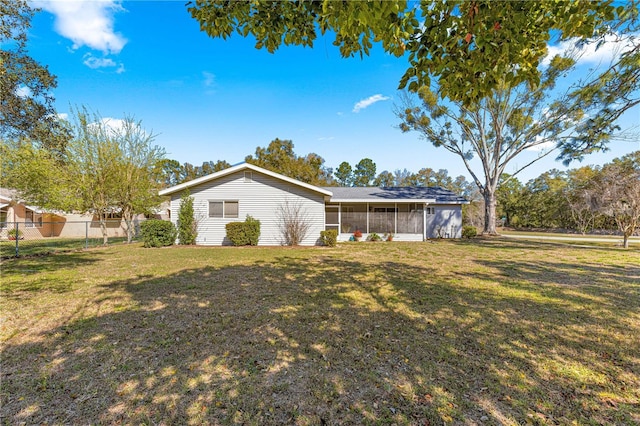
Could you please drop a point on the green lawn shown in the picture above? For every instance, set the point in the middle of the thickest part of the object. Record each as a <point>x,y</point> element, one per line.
<point>40,246</point>
<point>449,332</point>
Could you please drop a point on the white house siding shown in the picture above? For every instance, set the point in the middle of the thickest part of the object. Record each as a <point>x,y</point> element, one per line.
<point>446,222</point>
<point>260,198</point>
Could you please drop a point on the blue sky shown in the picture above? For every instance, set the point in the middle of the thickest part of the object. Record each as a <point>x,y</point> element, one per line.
<point>213,99</point>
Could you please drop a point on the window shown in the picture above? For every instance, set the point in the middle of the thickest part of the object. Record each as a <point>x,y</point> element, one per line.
<point>33,219</point>
<point>3,218</point>
<point>431,210</point>
<point>223,209</point>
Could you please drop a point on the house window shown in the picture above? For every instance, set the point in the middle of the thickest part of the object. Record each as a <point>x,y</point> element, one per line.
<point>248,177</point>
<point>3,218</point>
<point>430,210</point>
<point>223,209</point>
<point>32,219</point>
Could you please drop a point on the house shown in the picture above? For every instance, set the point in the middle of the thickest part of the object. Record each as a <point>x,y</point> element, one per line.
<point>34,222</point>
<point>411,214</point>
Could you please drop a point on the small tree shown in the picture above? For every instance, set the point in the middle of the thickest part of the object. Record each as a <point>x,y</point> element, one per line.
<point>619,193</point>
<point>187,225</point>
<point>293,222</point>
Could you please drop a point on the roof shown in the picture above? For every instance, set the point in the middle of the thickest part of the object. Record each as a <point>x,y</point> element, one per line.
<point>240,167</point>
<point>423,194</point>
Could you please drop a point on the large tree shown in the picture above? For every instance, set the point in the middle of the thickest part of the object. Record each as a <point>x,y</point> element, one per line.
<point>279,157</point>
<point>111,169</point>
<point>26,103</point>
<point>514,119</point>
<point>618,193</point>
<point>137,175</point>
<point>468,46</point>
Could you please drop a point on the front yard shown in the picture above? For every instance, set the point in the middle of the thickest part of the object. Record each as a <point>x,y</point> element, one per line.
<point>445,332</point>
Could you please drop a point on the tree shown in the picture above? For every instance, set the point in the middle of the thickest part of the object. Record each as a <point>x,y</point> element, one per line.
<point>499,128</point>
<point>92,162</point>
<point>26,104</point>
<point>279,157</point>
<point>137,177</point>
<point>364,173</point>
<point>509,195</point>
<point>187,224</point>
<point>109,169</point>
<point>344,174</point>
<point>385,178</point>
<point>618,187</point>
<point>545,201</point>
<point>581,197</point>
<point>468,46</point>
<point>293,221</point>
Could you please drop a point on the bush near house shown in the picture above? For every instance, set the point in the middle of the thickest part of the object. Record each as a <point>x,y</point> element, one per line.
<point>469,231</point>
<point>329,238</point>
<point>244,233</point>
<point>158,233</point>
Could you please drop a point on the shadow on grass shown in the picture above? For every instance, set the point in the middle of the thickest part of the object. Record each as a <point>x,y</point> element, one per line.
<point>334,341</point>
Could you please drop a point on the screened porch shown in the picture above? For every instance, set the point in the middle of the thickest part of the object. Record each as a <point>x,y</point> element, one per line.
<point>401,219</point>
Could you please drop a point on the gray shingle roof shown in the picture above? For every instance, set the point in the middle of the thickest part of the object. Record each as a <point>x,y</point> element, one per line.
<point>395,193</point>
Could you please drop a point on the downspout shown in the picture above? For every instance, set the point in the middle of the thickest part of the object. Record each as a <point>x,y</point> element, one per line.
<point>424,222</point>
<point>367,218</point>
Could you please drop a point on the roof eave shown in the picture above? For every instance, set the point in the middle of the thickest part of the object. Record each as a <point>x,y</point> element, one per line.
<point>236,168</point>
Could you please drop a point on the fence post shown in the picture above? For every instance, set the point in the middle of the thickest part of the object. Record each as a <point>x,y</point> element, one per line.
<point>86,235</point>
<point>17,238</point>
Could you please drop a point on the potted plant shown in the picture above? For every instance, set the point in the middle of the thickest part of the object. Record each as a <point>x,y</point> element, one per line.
<point>357,235</point>
<point>14,234</point>
<point>388,237</point>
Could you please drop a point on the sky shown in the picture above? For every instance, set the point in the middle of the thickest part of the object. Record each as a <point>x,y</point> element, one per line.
<point>210,99</point>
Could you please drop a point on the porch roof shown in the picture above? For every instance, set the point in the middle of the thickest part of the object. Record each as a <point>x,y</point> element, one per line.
<point>395,194</point>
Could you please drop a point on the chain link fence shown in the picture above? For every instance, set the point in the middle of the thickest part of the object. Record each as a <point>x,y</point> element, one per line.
<point>27,238</point>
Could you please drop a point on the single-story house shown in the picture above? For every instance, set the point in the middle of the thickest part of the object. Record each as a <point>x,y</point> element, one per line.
<point>410,213</point>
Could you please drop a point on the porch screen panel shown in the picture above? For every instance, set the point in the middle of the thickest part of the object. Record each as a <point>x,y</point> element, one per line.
<point>382,219</point>
<point>354,217</point>
<point>410,220</point>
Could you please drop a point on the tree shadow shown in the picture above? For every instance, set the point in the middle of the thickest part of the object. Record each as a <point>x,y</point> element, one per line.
<point>322,340</point>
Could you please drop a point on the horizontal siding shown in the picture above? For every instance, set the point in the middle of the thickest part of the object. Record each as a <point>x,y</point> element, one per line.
<point>260,198</point>
<point>449,218</point>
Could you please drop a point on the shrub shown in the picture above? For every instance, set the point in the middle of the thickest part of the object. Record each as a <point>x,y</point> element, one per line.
<point>13,232</point>
<point>293,221</point>
<point>157,233</point>
<point>469,231</point>
<point>357,234</point>
<point>329,238</point>
<point>187,226</point>
<point>374,237</point>
<point>244,233</point>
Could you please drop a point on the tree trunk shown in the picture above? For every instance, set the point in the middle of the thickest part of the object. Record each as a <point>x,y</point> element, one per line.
<point>625,240</point>
<point>103,228</point>
<point>128,221</point>
<point>489,213</point>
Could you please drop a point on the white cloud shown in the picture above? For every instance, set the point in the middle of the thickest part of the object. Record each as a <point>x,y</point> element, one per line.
<point>589,53</point>
<point>93,62</point>
<point>62,115</point>
<point>368,102</point>
<point>542,145</point>
<point>87,23</point>
<point>209,79</point>
<point>326,138</point>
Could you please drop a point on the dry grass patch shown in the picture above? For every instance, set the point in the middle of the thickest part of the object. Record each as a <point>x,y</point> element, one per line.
<point>452,332</point>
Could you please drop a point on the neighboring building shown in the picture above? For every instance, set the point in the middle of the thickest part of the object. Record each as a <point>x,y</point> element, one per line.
<point>35,222</point>
<point>410,213</point>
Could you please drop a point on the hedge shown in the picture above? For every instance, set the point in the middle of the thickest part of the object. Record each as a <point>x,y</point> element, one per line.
<point>158,233</point>
<point>329,238</point>
<point>244,233</point>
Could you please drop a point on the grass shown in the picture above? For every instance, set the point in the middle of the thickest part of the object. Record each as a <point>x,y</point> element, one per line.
<point>450,332</point>
<point>40,246</point>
